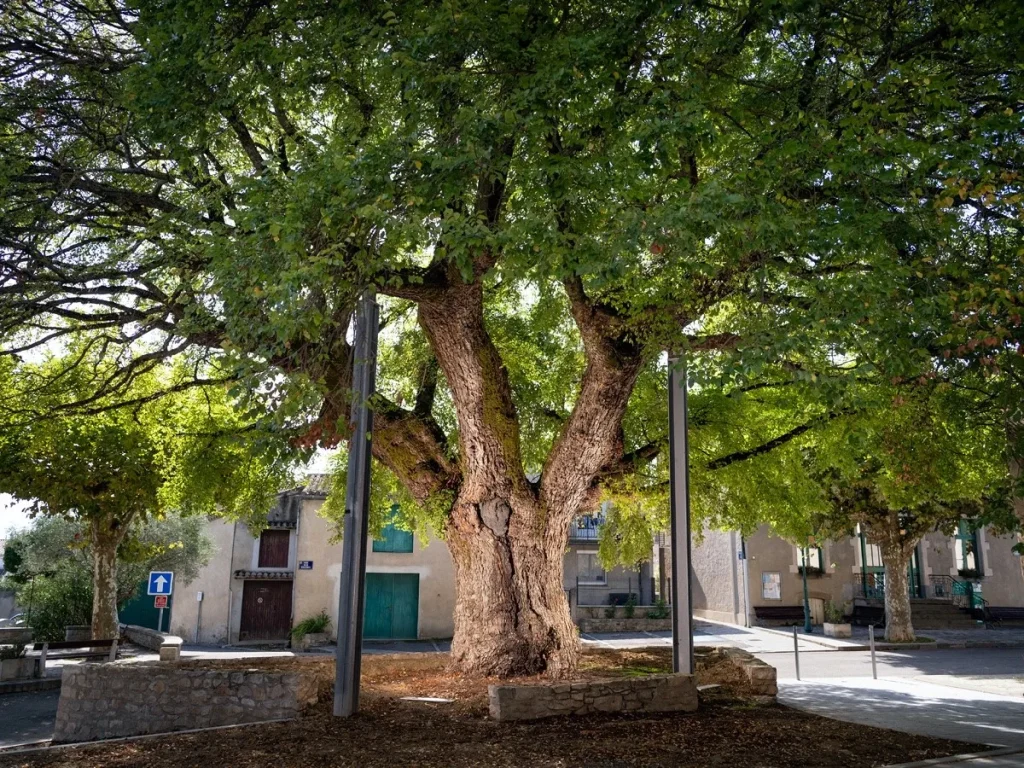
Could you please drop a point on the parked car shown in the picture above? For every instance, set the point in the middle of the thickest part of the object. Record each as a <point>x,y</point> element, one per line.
<point>17,620</point>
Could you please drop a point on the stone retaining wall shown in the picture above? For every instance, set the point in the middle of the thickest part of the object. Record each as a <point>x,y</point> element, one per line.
<point>100,701</point>
<point>654,693</point>
<point>761,677</point>
<point>625,625</point>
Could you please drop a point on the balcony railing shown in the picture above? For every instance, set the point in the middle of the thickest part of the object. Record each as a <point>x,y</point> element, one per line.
<point>585,527</point>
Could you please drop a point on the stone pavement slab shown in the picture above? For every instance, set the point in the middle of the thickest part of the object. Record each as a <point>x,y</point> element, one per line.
<point>912,706</point>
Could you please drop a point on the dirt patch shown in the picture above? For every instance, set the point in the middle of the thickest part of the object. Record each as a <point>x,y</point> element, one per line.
<point>727,730</point>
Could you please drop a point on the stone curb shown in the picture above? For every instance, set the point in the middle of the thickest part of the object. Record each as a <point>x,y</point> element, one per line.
<point>954,759</point>
<point>28,750</point>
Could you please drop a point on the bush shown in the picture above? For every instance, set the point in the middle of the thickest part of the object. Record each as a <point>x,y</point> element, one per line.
<point>630,606</point>
<point>660,610</point>
<point>835,613</point>
<point>609,612</point>
<point>312,626</point>
<point>56,601</point>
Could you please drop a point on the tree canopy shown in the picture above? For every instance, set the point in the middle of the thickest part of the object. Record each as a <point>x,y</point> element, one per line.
<point>545,196</point>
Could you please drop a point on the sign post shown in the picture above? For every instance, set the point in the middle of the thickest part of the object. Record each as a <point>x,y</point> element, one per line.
<point>679,483</point>
<point>161,586</point>
<point>357,503</point>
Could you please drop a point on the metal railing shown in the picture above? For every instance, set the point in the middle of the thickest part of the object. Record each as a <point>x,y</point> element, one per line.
<point>585,527</point>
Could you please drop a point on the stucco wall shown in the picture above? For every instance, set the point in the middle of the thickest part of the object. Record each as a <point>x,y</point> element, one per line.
<point>716,580</point>
<point>433,563</point>
<point>317,589</point>
<point>214,581</point>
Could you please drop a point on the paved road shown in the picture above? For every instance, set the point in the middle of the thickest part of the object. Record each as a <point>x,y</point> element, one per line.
<point>27,717</point>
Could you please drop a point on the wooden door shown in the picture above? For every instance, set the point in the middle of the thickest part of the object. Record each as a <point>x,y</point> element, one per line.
<point>266,610</point>
<point>392,606</point>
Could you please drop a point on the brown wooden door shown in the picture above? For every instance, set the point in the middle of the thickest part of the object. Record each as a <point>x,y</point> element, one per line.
<point>266,610</point>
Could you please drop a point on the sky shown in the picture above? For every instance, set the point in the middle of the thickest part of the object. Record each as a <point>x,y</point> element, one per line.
<point>13,514</point>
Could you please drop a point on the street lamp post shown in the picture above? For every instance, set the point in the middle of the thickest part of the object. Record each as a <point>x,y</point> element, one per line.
<point>357,505</point>
<point>679,484</point>
<point>807,601</point>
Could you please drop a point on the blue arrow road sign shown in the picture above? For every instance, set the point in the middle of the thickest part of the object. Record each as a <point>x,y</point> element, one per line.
<point>161,582</point>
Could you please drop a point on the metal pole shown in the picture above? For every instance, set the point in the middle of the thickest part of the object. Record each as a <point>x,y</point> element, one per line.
<point>807,601</point>
<point>160,621</point>
<point>871,643</point>
<point>357,502</point>
<point>679,482</point>
<point>796,652</point>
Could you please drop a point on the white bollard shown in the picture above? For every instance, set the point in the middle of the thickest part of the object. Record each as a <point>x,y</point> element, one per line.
<point>871,642</point>
<point>796,652</point>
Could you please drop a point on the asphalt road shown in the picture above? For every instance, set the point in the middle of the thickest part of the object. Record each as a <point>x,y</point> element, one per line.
<point>27,717</point>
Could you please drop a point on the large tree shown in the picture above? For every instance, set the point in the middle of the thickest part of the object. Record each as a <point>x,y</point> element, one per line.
<point>547,196</point>
<point>913,461</point>
<point>110,470</point>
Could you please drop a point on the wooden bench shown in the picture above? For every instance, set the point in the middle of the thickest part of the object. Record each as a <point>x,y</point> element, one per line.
<point>996,614</point>
<point>780,614</point>
<point>76,649</point>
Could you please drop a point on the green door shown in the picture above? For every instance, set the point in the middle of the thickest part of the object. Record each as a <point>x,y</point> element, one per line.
<point>392,606</point>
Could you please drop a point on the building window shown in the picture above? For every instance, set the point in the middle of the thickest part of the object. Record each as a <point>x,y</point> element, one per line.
<point>393,539</point>
<point>274,546</point>
<point>589,569</point>
<point>814,560</point>
<point>968,551</point>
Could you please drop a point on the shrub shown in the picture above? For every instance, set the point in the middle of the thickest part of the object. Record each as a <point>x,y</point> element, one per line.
<point>56,601</point>
<point>312,626</point>
<point>660,610</point>
<point>834,613</point>
<point>609,612</point>
<point>630,606</point>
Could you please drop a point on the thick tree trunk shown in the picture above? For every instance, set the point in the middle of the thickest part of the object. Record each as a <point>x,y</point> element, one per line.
<point>898,626</point>
<point>104,543</point>
<point>511,613</point>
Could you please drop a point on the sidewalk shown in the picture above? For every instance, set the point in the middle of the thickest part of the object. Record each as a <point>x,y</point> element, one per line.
<point>913,706</point>
<point>982,637</point>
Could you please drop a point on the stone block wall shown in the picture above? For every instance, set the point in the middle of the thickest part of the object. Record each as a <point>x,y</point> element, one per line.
<point>654,693</point>
<point>761,677</point>
<point>101,701</point>
<point>625,625</point>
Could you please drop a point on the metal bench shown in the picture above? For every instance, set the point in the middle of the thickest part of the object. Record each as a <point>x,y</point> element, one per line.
<point>995,614</point>
<point>780,614</point>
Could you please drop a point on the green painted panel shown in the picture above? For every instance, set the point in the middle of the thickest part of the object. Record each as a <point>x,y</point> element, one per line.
<point>393,539</point>
<point>391,610</point>
<point>139,610</point>
<point>405,606</point>
<point>377,610</point>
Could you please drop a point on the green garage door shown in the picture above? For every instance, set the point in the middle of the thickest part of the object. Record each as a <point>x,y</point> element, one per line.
<point>392,606</point>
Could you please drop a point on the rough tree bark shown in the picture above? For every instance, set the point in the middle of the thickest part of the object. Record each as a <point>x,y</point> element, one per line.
<point>507,535</point>
<point>105,537</point>
<point>898,625</point>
